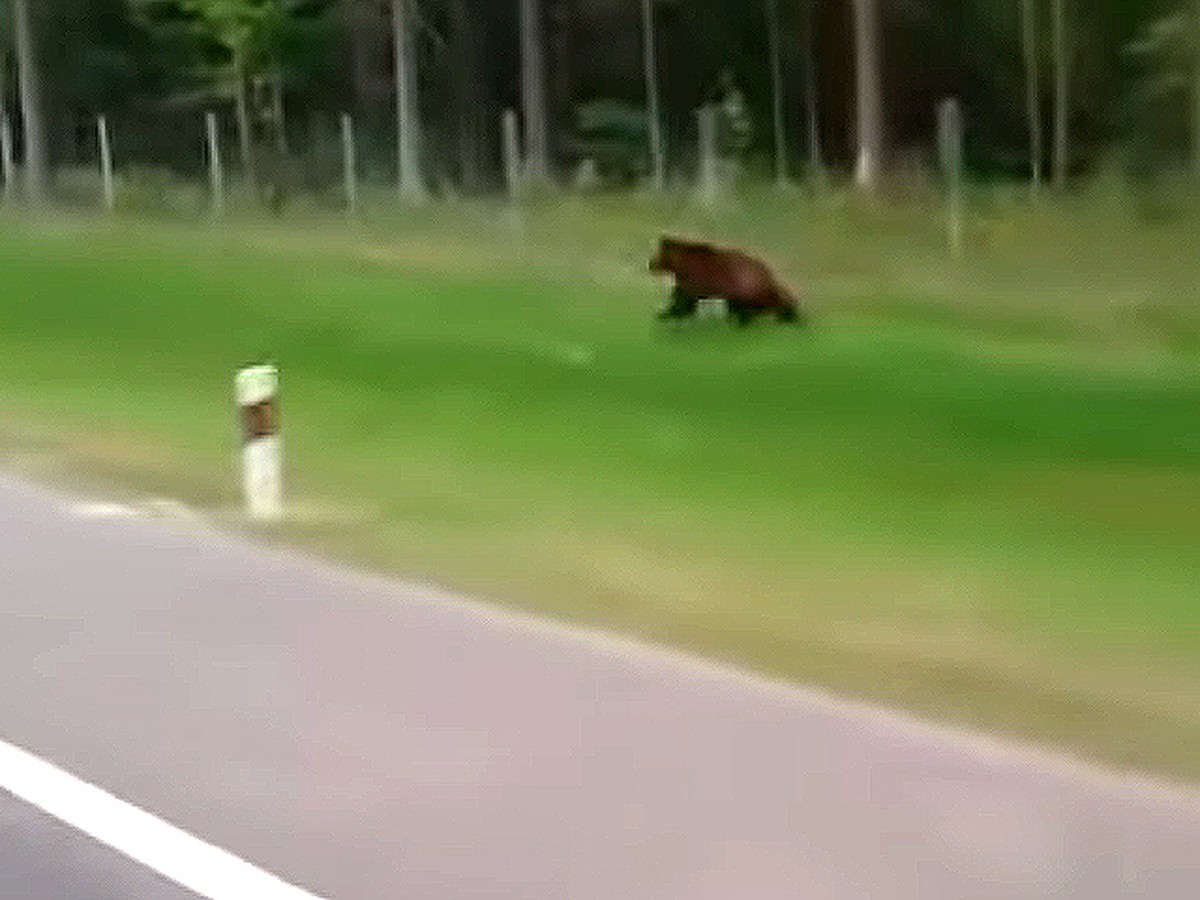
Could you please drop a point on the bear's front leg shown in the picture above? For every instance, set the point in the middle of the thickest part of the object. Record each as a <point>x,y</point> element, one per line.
<point>682,305</point>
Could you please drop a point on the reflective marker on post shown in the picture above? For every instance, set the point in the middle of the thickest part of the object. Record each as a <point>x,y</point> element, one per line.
<point>257,390</point>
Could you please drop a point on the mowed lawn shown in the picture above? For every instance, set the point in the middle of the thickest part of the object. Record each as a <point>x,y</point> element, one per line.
<point>985,527</point>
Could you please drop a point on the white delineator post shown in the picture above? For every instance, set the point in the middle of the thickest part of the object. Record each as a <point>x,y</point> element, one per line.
<point>106,165</point>
<point>257,390</point>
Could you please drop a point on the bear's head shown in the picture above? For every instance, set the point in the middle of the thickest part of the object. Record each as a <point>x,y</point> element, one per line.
<point>664,260</point>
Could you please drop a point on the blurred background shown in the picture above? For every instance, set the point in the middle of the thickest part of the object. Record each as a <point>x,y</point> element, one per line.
<point>1051,91</point>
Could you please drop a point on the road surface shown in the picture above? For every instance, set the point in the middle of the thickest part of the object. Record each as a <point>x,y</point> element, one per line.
<point>41,857</point>
<point>362,739</point>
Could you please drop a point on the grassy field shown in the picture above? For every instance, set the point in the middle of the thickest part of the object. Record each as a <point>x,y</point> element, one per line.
<point>973,490</point>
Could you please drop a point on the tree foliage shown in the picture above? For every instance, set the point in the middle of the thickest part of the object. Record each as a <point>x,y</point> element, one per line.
<point>1162,61</point>
<point>1132,80</point>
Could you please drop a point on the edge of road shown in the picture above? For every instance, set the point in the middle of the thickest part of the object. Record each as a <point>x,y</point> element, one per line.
<point>991,749</point>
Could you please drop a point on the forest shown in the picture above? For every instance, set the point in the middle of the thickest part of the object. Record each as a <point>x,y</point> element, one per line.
<point>1051,89</point>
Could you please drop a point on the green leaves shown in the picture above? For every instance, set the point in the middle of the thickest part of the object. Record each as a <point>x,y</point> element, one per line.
<point>252,35</point>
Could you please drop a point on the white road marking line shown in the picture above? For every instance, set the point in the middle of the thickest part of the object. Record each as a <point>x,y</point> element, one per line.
<point>101,510</point>
<point>198,866</point>
<point>170,508</point>
<point>158,507</point>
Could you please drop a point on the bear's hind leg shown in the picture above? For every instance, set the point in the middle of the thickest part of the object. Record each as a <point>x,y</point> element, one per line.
<point>741,316</point>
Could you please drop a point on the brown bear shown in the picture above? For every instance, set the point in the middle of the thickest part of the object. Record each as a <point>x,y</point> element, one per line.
<point>703,271</point>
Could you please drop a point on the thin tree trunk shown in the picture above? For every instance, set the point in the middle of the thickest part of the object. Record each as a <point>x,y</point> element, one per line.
<point>360,22</point>
<point>869,101</point>
<point>6,167</point>
<point>812,114</point>
<point>533,92</point>
<point>245,144</point>
<point>1033,112</point>
<point>1060,94</point>
<point>277,111</point>
<point>408,125</point>
<point>559,97</point>
<point>3,82</point>
<point>33,124</point>
<point>1196,85</point>
<point>658,164</point>
<point>464,75</point>
<point>771,10</point>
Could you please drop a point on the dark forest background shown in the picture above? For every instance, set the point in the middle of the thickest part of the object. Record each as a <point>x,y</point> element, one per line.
<point>152,66</point>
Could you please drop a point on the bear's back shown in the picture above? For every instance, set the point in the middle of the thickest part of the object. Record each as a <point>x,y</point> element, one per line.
<point>715,271</point>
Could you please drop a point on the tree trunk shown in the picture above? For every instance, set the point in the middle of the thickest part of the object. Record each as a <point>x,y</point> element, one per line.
<point>658,164</point>
<point>533,92</point>
<point>868,99</point>
<point>245,141</point>
<point>771,10</point>
<point>811,112</point>
<point>361,22</point>
<point>1060,94</point>
<point>1196,85</point>
<point>3,81</point>
<point>277,118</point>
<point>6,169</point>
<point>559,95</point>
<point>408,122</point>
<point>467,99</point>
<point>33,124</point>
<point>1033,112</point>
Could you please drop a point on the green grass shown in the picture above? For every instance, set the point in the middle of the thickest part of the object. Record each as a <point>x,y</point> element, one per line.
<point>972,490</point>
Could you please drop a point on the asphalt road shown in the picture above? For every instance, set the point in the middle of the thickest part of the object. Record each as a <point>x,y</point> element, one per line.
<point>43,859</point>
<point>362,739</point>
